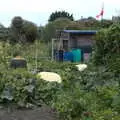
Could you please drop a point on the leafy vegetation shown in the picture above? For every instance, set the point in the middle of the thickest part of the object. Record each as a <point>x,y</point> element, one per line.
<point>91,94</point>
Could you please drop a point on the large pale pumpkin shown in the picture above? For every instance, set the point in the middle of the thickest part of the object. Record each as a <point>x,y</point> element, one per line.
<point>49,76</point>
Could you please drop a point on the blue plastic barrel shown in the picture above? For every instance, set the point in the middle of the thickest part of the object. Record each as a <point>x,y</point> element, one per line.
<point>59,55</point>
<point>76,55</point>
<point>68,56</point>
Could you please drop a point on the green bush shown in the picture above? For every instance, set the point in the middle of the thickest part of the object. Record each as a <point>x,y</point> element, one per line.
<point>107,48</point>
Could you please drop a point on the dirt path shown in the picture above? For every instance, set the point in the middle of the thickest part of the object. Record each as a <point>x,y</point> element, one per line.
<point>43,113</point>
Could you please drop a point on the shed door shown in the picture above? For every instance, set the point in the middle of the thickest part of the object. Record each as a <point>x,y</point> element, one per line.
<point>65,44</point>
<point>74,43</point>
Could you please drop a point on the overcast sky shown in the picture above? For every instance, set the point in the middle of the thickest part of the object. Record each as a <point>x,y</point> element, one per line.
<point>38,11</point>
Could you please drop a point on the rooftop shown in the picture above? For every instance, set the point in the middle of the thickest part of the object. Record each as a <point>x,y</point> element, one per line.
<point>81,31</point>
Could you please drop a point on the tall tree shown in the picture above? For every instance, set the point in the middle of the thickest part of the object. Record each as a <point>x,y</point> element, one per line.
<point>22,30</point>
<point>30,30</point>
<point>60,14</point>
<point>16,29</point>
<point>50,29</point>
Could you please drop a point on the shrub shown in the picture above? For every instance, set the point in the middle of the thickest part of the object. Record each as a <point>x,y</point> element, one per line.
<point>107,48</point>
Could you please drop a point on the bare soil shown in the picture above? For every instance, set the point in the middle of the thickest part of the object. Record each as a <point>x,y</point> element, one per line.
<point>43,113</point>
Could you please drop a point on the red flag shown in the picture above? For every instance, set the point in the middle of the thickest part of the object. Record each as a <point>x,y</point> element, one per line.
<point>101,13</point>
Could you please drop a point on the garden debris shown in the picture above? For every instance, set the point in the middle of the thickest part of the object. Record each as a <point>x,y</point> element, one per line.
<point>81,67</point>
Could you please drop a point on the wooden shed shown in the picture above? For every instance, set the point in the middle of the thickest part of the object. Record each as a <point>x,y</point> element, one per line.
<point>75,39</point>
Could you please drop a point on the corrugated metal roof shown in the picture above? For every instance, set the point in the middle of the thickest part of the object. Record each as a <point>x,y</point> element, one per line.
<point>81,31</point>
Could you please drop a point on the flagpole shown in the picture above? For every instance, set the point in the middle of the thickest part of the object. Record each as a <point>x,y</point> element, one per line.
<point>101,20</point>
<point>102,14</point>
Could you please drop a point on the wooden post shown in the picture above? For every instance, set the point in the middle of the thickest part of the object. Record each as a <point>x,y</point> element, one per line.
<point>69,44</point>
<point>36,55</point>
<point>52,49</point>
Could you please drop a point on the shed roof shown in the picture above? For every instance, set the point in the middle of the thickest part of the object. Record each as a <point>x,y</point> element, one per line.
<point>87,32</point>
